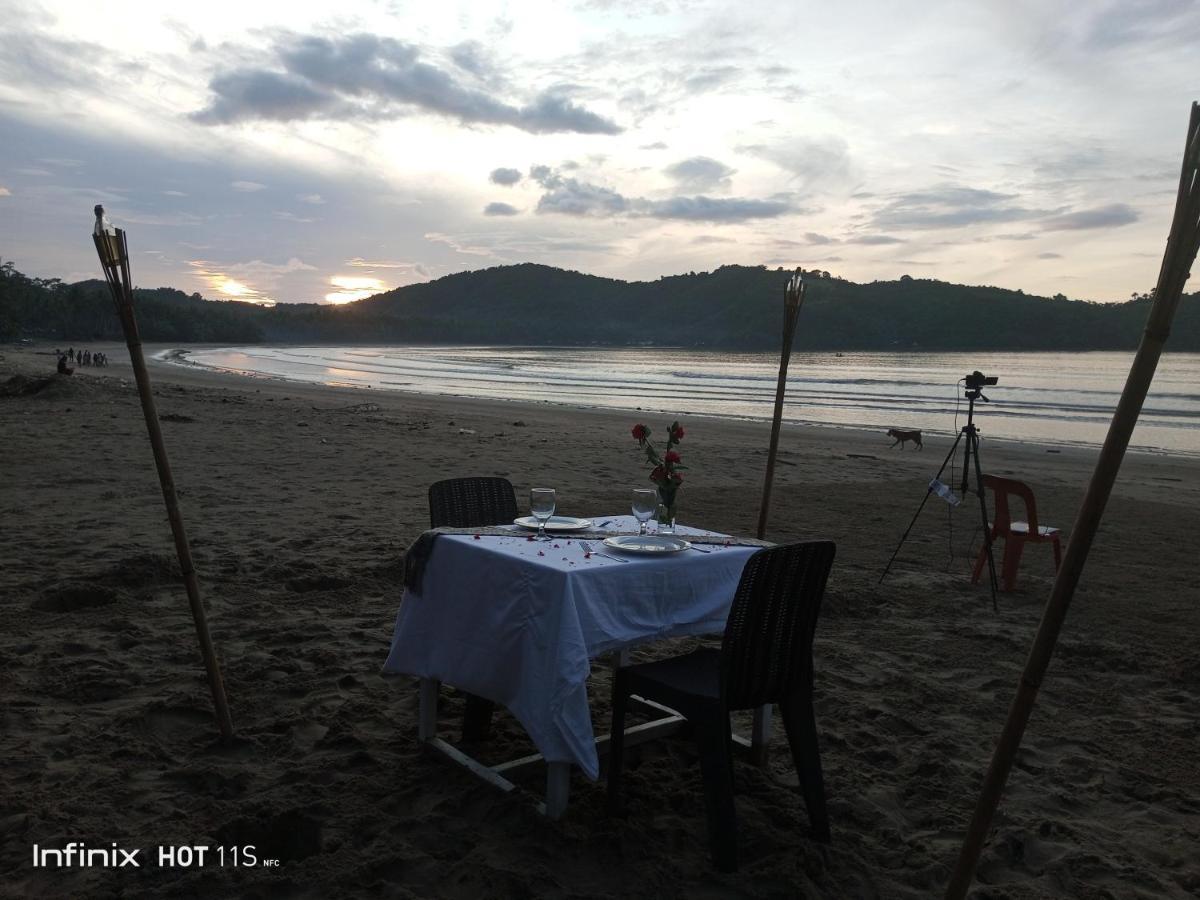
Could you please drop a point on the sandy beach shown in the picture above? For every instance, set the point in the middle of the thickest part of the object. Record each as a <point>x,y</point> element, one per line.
<point>300,502</point>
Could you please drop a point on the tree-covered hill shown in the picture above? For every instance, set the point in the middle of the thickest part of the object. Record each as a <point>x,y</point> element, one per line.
<point>734,307</point>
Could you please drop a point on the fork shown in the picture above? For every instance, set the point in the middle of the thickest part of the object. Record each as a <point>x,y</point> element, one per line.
<point>587,548</point>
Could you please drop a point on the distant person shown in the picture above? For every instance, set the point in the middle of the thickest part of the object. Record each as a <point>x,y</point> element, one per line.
<point>63,368</point>
<point>71,354</point>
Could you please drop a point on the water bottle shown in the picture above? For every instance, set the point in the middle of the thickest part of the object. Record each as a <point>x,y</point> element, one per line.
<point>944,491</point>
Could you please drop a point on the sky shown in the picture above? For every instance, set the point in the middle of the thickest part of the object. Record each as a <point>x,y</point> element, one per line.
<point>286,152</point>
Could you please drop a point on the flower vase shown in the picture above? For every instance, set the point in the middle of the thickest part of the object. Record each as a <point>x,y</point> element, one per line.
<point>666,511</point>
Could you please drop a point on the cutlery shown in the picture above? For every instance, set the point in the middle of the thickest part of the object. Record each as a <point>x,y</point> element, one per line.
<point>587,548</point>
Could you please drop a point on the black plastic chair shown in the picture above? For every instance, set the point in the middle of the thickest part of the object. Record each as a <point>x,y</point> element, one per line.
<point>470,503</point>
<point>765,657</point>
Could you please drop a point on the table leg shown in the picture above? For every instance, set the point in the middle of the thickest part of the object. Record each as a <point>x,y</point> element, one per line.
<point>427,714</point>
<point>760,735</point>
<point>558,789</point>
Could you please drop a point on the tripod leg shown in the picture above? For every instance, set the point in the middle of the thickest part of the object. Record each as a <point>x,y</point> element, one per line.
<point>973,443</point>
<point>924,500</point>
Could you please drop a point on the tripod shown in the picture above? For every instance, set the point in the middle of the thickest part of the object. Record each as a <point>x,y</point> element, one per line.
<point>971,454</point>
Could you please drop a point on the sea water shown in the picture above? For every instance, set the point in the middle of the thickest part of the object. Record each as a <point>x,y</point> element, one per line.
<point>1055,398</point>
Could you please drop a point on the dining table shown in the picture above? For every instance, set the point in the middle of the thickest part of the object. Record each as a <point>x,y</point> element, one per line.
<point>520,621</point>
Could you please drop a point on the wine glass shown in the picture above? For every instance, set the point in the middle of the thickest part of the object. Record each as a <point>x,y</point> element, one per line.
<point>644,502</point>
<point>541,504</point>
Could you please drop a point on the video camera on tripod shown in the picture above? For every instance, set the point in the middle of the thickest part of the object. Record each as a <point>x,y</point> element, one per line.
<point>975,383</point>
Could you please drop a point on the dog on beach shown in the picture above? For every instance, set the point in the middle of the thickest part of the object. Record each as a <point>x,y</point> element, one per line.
<point>902,437</point>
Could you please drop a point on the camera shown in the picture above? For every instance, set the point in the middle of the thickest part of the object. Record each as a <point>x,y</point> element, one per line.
<point>977,380</point>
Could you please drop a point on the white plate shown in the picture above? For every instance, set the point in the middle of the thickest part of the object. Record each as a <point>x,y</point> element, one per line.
<point>555,523</point>
<point>647,543</point>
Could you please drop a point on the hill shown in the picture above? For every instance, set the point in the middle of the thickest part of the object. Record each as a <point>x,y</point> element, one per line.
<point>734,307</point>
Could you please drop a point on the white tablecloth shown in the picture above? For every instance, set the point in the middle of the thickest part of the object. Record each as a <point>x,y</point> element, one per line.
<point>518,621</point>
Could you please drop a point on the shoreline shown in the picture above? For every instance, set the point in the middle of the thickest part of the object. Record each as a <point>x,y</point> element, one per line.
<point>172,355</point>
<point>300,502</point>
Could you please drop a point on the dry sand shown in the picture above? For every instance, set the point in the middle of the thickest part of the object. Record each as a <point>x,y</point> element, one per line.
<point>300,502</point>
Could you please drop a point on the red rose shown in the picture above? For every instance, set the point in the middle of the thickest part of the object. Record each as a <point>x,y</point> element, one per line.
<point>676,477</point>
<point>640,432</point>
<point>677,432</point>
<point>657,474</point>
<point>672,457</point>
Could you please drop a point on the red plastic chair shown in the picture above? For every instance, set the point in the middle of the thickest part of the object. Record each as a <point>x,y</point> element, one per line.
<point>1016,534</point>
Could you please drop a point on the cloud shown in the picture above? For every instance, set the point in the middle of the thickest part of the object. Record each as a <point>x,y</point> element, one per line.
<point>950,206</point>
<point>470,56</point>
<point>1110,216</point>
<point>1049,255</point>
<point>811,160</point>
<point>500,209</point>
<point>314,199</point>
<point>813,238</point>
<point>5,192</point>
<point>249,94</point>
<point>358,262</point>
<point>505,177</point>
<point>657,145</point>
<point>458,245</point>
<point>874,239</point>
<point>30,55</point>
<point>712,239</point>
<point>700,173</point>
<point>247,187</point>
<point>1147,24</point>
<point>366,77</point>
<point>285,216</point>
<point>708,209</point>
<point>569,196</point>
<point>710,78</point>
<point>576,198</point>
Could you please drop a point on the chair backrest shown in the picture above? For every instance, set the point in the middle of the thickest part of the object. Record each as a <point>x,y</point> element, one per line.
<point>766,654</point>
<point>472,502</point>
<point>1002,489</point>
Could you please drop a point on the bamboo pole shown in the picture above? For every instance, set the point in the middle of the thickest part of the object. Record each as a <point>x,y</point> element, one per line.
<point>114,258</point>
<point>1182,245</point>
<point>793,299</point>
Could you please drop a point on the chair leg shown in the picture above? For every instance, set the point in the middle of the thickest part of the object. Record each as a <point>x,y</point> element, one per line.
<point>981,560</point>
<point>477,719</point>
<point>1057,552</point>
<point>716,770</point>
<point>727,736</point>
<point>801,726</point>
<point>616,745</point>
<point>1012,561</point>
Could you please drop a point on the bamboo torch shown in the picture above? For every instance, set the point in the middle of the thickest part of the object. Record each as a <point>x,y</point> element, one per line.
<point>114,258</point>
<point>1182,245</point>
<point>793,299</point>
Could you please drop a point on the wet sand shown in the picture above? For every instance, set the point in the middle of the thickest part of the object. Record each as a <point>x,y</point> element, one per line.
<point>300,502</point>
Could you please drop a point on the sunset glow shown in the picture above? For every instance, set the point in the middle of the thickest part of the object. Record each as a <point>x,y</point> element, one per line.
<point>351,288</point>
